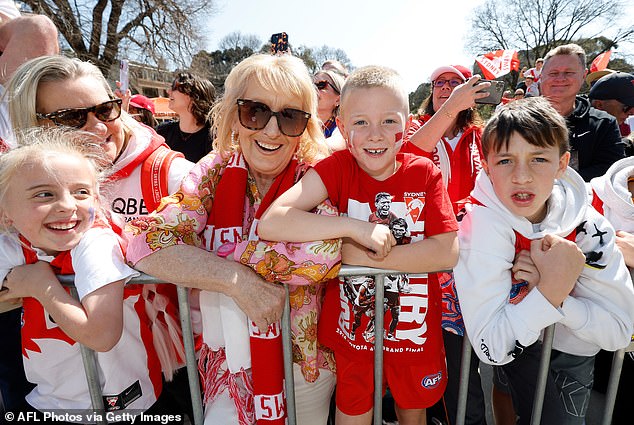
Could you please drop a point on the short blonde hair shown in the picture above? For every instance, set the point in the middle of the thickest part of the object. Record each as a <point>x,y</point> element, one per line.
<point>277,74</point>
<point>568,49</point>
<point>374,76</point>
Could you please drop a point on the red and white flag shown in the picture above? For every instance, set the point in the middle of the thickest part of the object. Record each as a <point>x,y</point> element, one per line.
<point>498,63</point>
<point>601,62</point>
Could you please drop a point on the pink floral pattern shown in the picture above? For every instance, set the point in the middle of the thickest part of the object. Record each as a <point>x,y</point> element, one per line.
<point>181,219</point>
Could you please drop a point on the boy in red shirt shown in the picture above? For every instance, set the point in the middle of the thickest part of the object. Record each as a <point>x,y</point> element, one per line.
<point>373,118</point>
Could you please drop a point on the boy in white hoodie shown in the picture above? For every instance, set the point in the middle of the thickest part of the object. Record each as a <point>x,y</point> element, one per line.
<point>533,253</point>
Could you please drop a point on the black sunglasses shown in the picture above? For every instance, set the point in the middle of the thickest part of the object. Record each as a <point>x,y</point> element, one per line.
<point>78,117</point>
<point>256,115</point>
<point>323,84</point>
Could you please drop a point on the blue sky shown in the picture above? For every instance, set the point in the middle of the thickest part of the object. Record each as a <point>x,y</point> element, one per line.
<point>412,36</point>
<point>378,32</point>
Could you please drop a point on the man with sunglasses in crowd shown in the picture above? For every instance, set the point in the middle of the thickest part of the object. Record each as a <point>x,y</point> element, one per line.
<point>614,94</point>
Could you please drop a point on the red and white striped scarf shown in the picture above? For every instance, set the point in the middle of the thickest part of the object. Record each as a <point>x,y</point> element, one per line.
<point>267,365</point>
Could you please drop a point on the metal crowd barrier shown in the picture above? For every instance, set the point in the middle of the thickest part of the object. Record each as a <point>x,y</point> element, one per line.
<point>379,275</point>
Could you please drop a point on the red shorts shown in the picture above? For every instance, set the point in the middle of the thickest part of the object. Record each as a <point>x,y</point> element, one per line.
<point>413,387</point>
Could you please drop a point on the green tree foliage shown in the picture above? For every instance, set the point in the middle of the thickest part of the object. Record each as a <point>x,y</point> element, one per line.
<point>216,65</point>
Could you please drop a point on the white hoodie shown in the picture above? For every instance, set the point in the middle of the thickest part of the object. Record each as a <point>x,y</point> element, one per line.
<point>612,189</point>
<point>598,313</point>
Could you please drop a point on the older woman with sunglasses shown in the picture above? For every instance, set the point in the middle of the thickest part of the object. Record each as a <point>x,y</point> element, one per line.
<point>448,131</point>
<point>328,84</point>
<point>59,91</point>
<point>204,236</point>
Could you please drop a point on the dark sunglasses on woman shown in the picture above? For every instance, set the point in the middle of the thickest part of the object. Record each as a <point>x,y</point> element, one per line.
<point>78,117</point>
<point>323,84</point>
<point>256,115</point>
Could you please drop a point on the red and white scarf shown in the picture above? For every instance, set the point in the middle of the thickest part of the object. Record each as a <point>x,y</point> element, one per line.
<point>267,365</point>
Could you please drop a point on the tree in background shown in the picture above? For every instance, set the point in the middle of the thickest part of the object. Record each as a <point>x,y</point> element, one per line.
<point>237,40</point>
<point>149,31</point>
<point>539,25</point>
<point>234,47</point>
<point>313,57</point>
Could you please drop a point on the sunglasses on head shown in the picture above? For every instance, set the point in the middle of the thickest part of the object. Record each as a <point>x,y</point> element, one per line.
<point>176,85</point>
<point>256,115</point>
<point>78,117</point>
<point>321,85</point>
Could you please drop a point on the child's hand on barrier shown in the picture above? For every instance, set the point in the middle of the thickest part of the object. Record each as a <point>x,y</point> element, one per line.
<point>377,238</point>
<point>29,280</point>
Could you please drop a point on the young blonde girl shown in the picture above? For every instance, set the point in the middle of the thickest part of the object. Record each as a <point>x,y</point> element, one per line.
<point>52,224</point>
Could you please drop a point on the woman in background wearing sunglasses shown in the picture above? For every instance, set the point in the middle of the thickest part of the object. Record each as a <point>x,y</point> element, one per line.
<point>59,91</point>
<point>191,97</point>
<point>448,131</point>
<point>204,236</point>
<point>328,84</point>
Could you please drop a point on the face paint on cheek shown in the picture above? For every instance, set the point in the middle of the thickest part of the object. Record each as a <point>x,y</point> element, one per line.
<point>398,140</point>
<point>91,211</point>
<point>351,136</point>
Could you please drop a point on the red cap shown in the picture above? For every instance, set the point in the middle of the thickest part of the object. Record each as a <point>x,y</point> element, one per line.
<point>142,102</point>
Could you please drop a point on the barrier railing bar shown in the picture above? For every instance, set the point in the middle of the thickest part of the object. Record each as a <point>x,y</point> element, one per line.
<point>88,356</point>
<point>287,345</point>
<point>190,354</point>
<point>463,385</point>
<point>92,376</point>
<point>542,377</point>
<point>379,284</point>
<point>613,386</point>
<point>378,347</point>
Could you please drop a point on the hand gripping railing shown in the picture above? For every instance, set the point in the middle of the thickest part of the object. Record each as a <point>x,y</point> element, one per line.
<point>379,275</point>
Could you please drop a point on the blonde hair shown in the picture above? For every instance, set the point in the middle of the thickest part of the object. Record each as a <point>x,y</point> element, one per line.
<point>283,74</point>
<point>568,49</point>
<point>22,88</point>
<point>37,144</point>
<point>374,76</point>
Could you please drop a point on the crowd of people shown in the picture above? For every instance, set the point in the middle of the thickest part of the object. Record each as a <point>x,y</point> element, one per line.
<point>500,228</point>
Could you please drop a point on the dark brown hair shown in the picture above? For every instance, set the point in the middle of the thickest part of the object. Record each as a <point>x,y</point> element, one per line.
<point>533,118</point>
<point>200,90</point>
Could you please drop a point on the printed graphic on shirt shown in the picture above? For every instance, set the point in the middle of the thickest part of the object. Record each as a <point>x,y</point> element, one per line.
<point>405,297</point>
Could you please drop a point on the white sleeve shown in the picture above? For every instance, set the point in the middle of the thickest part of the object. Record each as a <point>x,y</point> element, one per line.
<point>600,309</point>
<point>179,168</point>
<point>98,261</point>
<point>11,255</point>
<point>483,284</point>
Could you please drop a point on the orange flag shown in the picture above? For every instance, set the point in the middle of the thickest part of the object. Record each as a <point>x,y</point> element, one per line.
<point>498,63</point>
<point>601,62</point>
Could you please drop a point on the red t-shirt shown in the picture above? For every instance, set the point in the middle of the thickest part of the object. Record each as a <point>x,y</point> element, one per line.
<point>420,207</point>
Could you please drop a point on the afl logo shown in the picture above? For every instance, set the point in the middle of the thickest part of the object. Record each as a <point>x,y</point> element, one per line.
<point>432,381</point>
